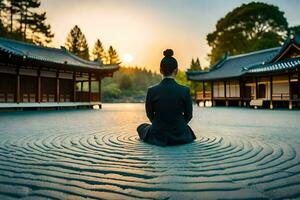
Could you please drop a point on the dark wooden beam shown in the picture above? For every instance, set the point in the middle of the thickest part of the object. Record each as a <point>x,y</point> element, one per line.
<point>271,88</point>
<point>290,92</point>
<point>74,87</point>
<point>290,88</point>
<point>271,92</point>
<point>90,88</point>
<point>298,84</point>
<point>256,88</point>
<point>203,89</point>
<point>100,96</point>
<point>212,90</point>
<point>39,86</point>
<point>241,84</point>
<point>225,95</point>
<point>18,88</point>
<point>57,87</point>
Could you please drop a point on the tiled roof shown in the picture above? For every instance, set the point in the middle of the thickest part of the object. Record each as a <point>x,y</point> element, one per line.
<point>46,54</point>
<point>254,62</point>
<point>234,66</point>
<point>278,66</point>
<point>295,39</point>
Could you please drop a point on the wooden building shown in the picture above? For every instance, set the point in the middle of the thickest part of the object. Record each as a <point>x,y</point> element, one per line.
<point>268,78</point>
<point>40,77</point>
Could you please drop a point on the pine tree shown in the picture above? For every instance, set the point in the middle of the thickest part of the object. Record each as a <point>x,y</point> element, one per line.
<point>24,22</point>
<point>98,51</point>
<point>192,64</point>
<point>77,44</point>
<point>13,8</point>
<point>2,7</point>
<point>3,31</point>
<point>195,65</point>
<point>2,27</point>
<point>40,32</point>
<point>113,57</point>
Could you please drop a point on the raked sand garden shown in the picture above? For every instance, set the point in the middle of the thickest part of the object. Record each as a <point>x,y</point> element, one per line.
<point>96,154</point>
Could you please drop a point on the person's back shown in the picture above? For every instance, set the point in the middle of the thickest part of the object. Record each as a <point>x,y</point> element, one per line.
<point>169,108</point>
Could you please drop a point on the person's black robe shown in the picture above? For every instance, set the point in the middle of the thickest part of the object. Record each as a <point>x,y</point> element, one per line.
<point>169,108</point>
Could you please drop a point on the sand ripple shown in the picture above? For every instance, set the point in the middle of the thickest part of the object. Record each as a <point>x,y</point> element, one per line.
<point>114,164</point>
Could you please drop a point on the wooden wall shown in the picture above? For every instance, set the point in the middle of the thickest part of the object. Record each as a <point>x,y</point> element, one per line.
<point>7,87</point>
<point>46,86</point>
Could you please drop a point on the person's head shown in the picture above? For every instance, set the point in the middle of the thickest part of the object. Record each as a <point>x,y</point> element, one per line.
<point>168,65</point>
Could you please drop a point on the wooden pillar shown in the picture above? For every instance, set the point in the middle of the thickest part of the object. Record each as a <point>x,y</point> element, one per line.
<point>290,88</point>
<point>256,88</point>
<point>241,84</point>
<point>225,95</point>
<point>39,87</point>
<point>100,96</point>
<point>57,87</point>
<point>290,93</point>
<point>90,88</point>
<point>242,89</point>
<point>271,92</point>
<point>203,91</point>
<point>195,97</point>
<point>212,93</point>
<point>18,87</point>
<point>74,87</point>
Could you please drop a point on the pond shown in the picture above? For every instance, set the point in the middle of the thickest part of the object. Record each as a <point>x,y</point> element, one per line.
<point>239,154</point>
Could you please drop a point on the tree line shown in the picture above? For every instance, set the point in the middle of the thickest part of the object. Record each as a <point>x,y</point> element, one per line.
<point>129,84</point>
<point>76,43</point>
<point>249,27</point>
<point>21,20</point>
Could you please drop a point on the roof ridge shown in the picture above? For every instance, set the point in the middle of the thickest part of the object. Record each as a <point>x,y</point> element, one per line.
<point>48,54</point>
<point>47,48</point>
<point>28,44</point>
<point>81,59</point>
<point>253,53</point>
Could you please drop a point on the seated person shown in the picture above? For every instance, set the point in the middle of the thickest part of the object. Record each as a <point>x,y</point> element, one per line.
<point>169,108</point>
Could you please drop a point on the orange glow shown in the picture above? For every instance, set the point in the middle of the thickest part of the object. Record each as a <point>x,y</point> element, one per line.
<point>127,58</point>
<point>127,29</point>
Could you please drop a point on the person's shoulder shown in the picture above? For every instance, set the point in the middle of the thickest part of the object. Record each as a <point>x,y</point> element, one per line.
<point>153,87</point>
<point>183,87</point>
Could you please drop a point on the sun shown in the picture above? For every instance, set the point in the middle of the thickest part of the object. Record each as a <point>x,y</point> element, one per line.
<point>127,58</point>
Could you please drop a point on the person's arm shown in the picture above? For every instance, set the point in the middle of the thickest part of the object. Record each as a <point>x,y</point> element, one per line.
<point>149,108</point>
<point>188,111</point>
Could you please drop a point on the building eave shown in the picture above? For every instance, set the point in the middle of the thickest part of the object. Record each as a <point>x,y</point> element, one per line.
<point>286,64</point>
<point>16,51</point>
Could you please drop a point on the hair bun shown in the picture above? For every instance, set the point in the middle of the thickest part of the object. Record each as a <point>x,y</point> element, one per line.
<point>168,53</point>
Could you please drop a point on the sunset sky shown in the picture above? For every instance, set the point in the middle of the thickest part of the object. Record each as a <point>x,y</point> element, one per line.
<point>142,29</point>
